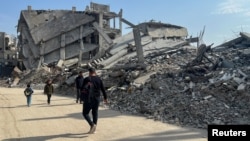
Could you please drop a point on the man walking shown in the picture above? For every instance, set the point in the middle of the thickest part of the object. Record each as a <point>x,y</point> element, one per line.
<point>78,83</point>
<point>93,85</point>
<point>49,90</point>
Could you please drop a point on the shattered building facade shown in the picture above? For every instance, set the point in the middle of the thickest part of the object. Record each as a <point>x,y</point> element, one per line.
<point>8,53</point>
<point>50,36</point>
<point>69,37</point>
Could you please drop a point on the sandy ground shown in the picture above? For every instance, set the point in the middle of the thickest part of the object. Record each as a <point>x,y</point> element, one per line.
<point>63,121</point>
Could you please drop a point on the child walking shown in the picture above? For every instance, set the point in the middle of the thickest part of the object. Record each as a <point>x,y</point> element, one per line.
<point>28,93</point>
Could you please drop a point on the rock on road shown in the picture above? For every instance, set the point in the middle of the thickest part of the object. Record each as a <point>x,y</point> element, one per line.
<point>63,121</point>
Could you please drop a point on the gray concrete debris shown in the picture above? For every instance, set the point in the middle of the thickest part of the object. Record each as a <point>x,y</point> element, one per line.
<point>194,96</point>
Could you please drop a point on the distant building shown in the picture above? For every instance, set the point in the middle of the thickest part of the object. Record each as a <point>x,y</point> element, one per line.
<point>8,54</point>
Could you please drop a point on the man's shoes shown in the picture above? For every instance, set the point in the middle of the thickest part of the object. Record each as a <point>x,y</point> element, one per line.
<point>92,129</point>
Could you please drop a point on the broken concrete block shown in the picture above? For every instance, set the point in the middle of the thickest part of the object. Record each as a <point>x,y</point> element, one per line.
<point>227,64</point>
<point>246,51</point>
<point>16,69</point>
<point>238,80</point>
<point>71,80</point>
<point>138,86</point>
<point>207,97</point>
<point>193,94</point>
<point>16,81</point>
<point>242,73</point>
<point>211,81</point>
<point>241,87</point>
<point>155,85</point>
<point>226,106</point>
<point>135,74</point>
<point>46,69</point>
<point>226,77</point>
<point>236,58</point>
<point>116,73</point>
<point>70,62</point>
<point>217,121</point>
<point>60,63</point>
<point>144,78</point>
<point>191,85</point>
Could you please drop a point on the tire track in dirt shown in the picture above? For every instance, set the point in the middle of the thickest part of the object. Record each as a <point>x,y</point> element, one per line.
<point>9,116</point>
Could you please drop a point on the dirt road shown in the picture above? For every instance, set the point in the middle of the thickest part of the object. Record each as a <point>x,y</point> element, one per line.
<point>62,121</point>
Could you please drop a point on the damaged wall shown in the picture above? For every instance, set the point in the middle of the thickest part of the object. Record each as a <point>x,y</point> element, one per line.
<point>47,36</point>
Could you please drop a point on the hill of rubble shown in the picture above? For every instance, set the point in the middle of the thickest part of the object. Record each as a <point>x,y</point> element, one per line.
<point>181,85</point>
<point>193,96</point>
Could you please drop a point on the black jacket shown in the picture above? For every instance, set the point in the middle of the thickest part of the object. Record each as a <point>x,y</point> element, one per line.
<point>79,82</point>
<point>97,85</point>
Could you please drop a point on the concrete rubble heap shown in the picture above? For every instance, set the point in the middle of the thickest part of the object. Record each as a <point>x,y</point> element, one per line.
<point>154,71</point>
<point>171,91</point>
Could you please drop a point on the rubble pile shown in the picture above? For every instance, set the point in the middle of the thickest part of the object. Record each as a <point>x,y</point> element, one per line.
<point>168,98</point>
<point>38,77</point>
<point>158,74</point>
<point>193,96</point>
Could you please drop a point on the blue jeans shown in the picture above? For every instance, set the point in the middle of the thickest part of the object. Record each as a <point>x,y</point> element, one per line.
<point>92,104</point>
<point>29,100</point>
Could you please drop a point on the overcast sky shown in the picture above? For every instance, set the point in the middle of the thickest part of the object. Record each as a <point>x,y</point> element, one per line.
<point>224,19</point>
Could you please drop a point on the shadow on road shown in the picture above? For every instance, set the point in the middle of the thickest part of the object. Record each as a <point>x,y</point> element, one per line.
<point>51,105</point>
<point>44,138</point>
<point>172,135</point>
<point>10,107</point>
<point>104,113</point>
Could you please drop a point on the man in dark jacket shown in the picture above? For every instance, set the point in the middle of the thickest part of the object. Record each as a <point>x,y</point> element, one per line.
<point>94,85</point>
<point>78,82</point>
<point>49,90</point>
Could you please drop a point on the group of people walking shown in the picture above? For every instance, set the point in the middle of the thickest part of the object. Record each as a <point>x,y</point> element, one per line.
<point>89,91</point>
<point>48,90</point>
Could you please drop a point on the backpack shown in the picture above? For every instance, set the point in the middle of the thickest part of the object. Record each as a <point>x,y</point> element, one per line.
<point>93,92</point>
<point>27,91</point>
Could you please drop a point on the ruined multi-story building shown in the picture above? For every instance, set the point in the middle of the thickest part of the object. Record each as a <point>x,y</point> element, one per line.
<point>50,36</point>
<point>93,36</point>
<point>8,53</point>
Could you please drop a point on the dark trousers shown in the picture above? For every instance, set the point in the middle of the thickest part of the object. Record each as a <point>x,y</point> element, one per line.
<point>78,95</point>
<point>91,104</point>
<point>48,98</point>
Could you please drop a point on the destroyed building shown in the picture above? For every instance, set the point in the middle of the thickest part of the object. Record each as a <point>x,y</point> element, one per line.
<point>52,36</point>
<point>177,83</point>
<point>69,37</point>
<point>8,54</point>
